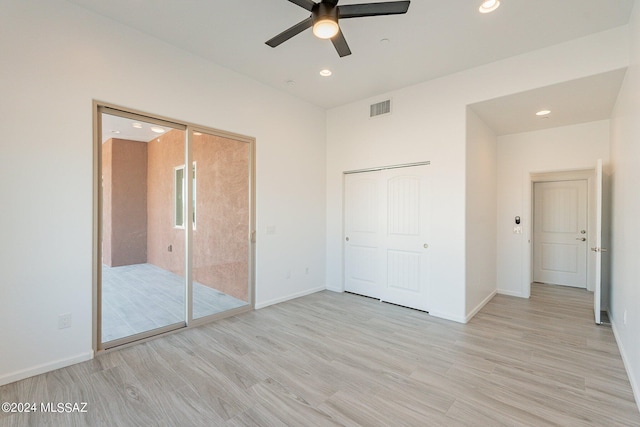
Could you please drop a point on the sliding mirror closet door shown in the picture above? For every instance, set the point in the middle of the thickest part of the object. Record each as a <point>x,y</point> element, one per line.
<point>221,223</point>
<point>142,286</point>
<point>174,225</point>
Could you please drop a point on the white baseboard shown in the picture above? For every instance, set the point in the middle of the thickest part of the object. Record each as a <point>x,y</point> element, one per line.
<point>479,306</point>
<point>46,367</point>
<point>511,293</point>
<point>289,297</point>
<point>332,289</point>
<point>447,316</point>
<point>469,316</point>
<point>635,387</point>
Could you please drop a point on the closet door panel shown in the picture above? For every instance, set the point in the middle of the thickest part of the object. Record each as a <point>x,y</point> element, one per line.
<point>405,242</point>
<point>362,224</point>
<point>386,235</point>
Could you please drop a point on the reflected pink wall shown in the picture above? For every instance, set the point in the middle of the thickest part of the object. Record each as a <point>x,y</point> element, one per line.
<point>220,240</point>
<point>125,201</point>
<point>106,201</point>
<point>165,154</point>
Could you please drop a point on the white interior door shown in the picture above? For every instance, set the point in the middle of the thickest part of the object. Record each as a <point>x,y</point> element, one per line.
<point>386,231</point>
<point>362,218</point>
<point>560,233</point>
<point>404,247</point>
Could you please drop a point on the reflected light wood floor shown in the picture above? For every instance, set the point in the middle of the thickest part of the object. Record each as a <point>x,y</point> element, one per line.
<point>141,297</point>
<point>340,359</point>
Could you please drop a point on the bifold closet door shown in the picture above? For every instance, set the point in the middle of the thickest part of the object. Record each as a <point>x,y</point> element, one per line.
<point>386,235</point>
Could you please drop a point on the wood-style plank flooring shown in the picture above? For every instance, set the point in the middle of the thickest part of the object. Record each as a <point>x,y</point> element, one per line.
<point>339,359</point>
<point>142,297</point>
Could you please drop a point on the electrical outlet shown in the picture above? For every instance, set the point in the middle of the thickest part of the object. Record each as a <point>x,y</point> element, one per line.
<point>64,321</point>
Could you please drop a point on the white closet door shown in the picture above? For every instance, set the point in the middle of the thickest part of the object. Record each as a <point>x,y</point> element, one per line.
<point>405,243</point>
<point>362,217</point>
<point>386,235</point>
<point>560,233</point>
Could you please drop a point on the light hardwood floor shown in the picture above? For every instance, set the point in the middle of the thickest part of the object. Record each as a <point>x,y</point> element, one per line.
<point>341,359</point>
<point>142,297</point>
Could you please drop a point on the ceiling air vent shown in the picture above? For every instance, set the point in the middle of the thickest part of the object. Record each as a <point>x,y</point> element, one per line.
<point>380,108</point>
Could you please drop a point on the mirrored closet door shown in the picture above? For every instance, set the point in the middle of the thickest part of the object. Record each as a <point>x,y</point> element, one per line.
<point>174,246</point>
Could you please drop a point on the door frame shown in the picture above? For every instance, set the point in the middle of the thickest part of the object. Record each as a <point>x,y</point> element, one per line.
<point>555,176</point>
<point>190,322</point>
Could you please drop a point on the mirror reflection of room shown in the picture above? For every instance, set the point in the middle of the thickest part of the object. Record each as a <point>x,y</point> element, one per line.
<point>144,205</point>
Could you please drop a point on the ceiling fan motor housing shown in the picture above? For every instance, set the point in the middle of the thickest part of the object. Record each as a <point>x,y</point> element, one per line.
<point>322,11</point>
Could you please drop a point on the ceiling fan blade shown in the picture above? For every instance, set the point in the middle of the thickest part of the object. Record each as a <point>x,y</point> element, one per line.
<point>373,9</point>
<point>340,43</point>
<point>287,34</point>
<point>306,4</point>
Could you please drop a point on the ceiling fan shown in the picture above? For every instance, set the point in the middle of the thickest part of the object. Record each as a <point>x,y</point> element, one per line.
<point>326,14</point>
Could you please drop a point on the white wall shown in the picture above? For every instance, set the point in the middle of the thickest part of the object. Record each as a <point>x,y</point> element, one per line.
<point>56,59</point>
<point>564,148</point>
<point>625,268</point>
<point>428,122</point>
<point>481,203</point>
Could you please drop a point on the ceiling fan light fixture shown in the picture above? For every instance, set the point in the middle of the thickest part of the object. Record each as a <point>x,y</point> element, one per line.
<point>488,6</point>
<point>326,14</point>
<point>325,28</point>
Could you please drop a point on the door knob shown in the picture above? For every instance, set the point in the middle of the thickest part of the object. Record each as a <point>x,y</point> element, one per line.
<point>582,239</point>
<point>426,246</point>
<point>347,239</point>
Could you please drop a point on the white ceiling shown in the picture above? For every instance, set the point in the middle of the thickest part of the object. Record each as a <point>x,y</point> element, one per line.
<point>122,128</point>
<point>435,38</point>
<point>577,101</point>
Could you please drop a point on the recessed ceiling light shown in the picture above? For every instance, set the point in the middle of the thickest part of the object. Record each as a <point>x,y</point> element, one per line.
<point>115,131</point>
<point>137,125</point>
<point>157,129</point>
<point>384,41</point>
<point>325,73</point>
<point>197,133</point>
<point>291,82</point>
<point>489,6</point>
<point>543,113</point>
